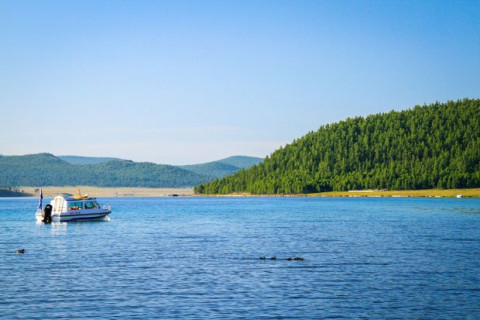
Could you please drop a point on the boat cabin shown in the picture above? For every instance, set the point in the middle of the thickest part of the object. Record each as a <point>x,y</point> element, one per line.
<point>70,203</point>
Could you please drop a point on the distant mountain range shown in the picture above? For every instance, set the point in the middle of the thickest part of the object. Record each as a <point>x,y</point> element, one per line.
<point>86,160</point>
<point>224,167</point>
<point>45,169</point>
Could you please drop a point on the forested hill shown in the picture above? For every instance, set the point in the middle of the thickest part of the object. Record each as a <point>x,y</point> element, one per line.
<point>48,170</point>
<point>210,170</point>
<point>434,146</point>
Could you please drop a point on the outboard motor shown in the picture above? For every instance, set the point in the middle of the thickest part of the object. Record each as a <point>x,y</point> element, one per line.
<point>47,213</point>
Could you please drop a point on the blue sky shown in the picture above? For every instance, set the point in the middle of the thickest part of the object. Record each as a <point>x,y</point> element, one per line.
<point>183,82</point>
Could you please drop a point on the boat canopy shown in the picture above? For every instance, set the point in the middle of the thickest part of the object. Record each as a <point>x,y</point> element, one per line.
<point>64,203</point>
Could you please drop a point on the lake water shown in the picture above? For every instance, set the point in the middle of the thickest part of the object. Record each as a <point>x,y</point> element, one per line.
<point>382,258</point>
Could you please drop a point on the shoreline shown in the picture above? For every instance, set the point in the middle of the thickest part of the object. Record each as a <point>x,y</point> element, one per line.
<point>188,192</point>
<point>426,193</point>
<point>107,191</point>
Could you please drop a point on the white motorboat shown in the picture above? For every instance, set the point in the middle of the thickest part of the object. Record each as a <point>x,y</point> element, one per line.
<point>66,207</point>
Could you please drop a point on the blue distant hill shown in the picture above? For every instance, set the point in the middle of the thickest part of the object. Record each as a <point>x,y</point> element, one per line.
<point>45,169</point>
<point>86,160</point>
<point>242,162</point>
<point>213,169</point>
<point>224,167</point>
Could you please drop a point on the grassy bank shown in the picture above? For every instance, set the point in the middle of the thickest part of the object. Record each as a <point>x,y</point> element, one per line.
<point>449,193</point>
<point>428,193</point>
<point>109,192</point>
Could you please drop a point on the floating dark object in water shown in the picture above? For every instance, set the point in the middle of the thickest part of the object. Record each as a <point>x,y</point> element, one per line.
<point>20,251</point>
<point>272,258</point>
<point>288,259</point>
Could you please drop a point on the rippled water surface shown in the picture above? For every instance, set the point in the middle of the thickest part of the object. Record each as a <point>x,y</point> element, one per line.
<point>199,258</point>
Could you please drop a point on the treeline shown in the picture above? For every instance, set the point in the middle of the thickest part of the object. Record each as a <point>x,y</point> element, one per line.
<point>434,146</point>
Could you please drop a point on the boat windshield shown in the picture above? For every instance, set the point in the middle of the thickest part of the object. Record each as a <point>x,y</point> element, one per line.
<point>91,205</point>
<point>77,205</point>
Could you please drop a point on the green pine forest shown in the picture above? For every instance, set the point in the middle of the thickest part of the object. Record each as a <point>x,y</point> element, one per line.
<point>430,146</point>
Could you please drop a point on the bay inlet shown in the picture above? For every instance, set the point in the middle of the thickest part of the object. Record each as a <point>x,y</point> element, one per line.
<point>189,257</point>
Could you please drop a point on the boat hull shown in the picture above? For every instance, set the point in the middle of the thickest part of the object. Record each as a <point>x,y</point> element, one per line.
<point>39,215</point>
<point>69,217</point>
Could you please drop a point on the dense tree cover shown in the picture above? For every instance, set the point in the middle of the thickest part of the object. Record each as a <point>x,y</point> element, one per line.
<point>47,170</point>
<point>434,146</point>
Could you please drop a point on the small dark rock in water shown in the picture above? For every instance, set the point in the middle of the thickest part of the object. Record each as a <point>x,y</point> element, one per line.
<point>289,258</point>
<point>20,251</point>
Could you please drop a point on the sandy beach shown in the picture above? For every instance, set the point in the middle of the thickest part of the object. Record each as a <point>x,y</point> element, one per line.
<point>165,192</point>
<point>109,192</point>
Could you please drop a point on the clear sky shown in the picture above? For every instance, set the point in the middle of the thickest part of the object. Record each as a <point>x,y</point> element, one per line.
<point>183,82</point>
